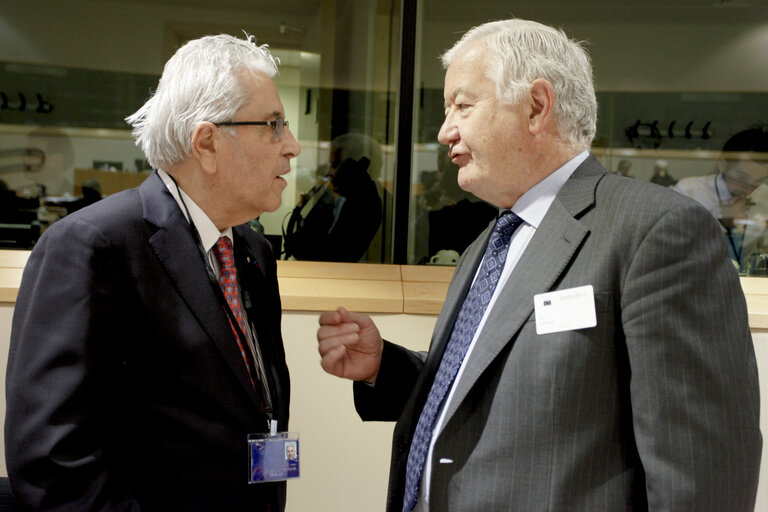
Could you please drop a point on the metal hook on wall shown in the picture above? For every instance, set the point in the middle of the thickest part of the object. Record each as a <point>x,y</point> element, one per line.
<point>42,107</point>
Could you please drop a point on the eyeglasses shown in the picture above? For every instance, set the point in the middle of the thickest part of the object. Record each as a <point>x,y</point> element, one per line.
<point>277,124</point>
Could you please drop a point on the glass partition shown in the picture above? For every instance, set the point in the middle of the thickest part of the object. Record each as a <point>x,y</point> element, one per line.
<point>68,82</point>
<point>675,81</point>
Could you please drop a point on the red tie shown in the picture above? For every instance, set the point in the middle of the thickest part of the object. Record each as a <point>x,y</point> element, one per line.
<point>228,282</point>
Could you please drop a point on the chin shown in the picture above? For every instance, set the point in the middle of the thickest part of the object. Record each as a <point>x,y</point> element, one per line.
<point>272,206</point>
<point>468,186</point>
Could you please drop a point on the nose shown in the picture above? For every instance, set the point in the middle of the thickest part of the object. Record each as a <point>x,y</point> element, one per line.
<point>448,131</point>
<point>291,147</point>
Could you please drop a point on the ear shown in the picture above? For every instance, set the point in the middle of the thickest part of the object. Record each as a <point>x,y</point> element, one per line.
<point>205,146</point>
<point>542,101</point>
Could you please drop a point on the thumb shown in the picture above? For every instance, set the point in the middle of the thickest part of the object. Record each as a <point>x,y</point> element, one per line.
<point>345,316</point>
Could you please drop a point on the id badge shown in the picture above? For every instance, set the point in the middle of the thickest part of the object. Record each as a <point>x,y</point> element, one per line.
<point>273,457</point>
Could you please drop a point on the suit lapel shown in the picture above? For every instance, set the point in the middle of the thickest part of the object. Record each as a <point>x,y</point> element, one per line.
<point>457,291</point>
<point>551,249</point>
<point>175,245</point>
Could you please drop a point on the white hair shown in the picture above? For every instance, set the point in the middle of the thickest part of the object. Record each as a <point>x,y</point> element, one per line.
<point>201,82</point>
<point>521,51</point>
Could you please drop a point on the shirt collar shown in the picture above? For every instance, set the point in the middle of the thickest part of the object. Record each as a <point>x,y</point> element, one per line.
<point>721,189</point>
<point>209,233</point>
<point>534,204</point>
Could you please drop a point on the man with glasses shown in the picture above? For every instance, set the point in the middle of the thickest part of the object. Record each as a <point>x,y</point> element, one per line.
<point>737,195</point>
<point>146,345</point>
<point>593,352</point>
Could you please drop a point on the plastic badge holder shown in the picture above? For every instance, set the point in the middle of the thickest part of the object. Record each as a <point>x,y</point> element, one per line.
<point>273,457</point>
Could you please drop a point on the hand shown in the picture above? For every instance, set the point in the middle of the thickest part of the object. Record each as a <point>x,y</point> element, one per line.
<point>735,210</point>
<point>350,345</point>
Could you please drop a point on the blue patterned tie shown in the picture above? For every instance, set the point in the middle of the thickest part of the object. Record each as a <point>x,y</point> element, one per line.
<point>464,329</point>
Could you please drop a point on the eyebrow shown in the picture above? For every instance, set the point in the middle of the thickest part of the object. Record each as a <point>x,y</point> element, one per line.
<point>454,93</point>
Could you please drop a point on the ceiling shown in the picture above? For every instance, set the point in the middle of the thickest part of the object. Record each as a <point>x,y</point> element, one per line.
<point>596,10</point>
<point>300,13</point>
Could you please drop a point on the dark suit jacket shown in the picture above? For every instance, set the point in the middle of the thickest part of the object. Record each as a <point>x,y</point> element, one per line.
<point>655,408</point>
<point>125,387</point>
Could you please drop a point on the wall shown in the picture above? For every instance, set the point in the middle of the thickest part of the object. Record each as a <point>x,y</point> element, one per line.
<point>761,351</point>
<point>86,33</point>
<point>6,313</point>
<point>345,462</point>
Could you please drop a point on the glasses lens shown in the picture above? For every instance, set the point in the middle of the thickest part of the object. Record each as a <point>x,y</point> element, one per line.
<point>280,123</point>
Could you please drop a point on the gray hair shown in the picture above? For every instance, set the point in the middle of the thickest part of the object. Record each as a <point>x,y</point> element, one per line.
<point>201,82</point>
<point>521,51</point>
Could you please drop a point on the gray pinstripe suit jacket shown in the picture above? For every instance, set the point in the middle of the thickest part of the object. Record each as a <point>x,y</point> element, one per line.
<point>655,408</point>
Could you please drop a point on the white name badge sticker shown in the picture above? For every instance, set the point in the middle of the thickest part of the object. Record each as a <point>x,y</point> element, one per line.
<point>565,310</point>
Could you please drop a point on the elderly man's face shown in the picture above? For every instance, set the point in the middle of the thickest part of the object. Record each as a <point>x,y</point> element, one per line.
<point>255,159</point>
<point>486,138</point>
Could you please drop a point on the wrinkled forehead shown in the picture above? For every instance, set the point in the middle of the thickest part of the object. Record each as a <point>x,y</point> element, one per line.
<point>469,64</point>
<point>262,97</point>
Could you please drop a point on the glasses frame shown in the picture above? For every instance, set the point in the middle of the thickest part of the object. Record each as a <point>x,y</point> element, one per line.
<point>278,125</point>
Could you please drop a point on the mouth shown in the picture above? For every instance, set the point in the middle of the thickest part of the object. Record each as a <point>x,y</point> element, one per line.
<point>457,157</point>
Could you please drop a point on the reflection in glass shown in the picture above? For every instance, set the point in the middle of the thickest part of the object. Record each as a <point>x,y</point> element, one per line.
<point>671,91</point>
<point>337,218</point>
<point>737,195</point>
<point>337,76</point>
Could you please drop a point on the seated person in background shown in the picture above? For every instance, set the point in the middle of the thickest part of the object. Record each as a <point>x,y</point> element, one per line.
<point>338,218</point>
<point>19,226</point>
<point>91,194</point>
<point>7,202</point>
<point>737,194</point>
<point>623,169</point>
<point>15,209</point>
<point>661,174</point>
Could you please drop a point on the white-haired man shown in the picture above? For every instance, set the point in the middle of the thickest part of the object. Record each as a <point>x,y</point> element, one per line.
<point>146,345</point>
<point>593,351</point>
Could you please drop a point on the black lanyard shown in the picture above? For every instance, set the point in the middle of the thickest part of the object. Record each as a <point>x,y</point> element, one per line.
<point>728,231</point>
<point>214,280</point>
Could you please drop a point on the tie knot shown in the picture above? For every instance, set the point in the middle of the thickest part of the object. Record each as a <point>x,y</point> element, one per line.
<point>506,225</point>
<point>224,253</point>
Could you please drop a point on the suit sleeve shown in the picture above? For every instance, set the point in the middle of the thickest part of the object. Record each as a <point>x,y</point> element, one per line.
<point>58,379</point>
<point>397,376</point>
<point>693,382</point>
